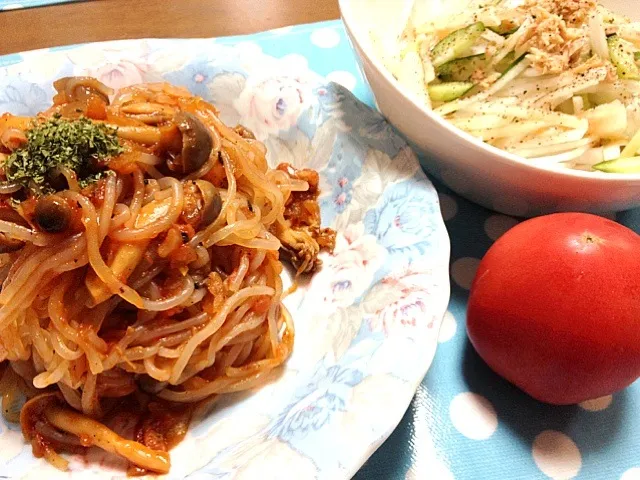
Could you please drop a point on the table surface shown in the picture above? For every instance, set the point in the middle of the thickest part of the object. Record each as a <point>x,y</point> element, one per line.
<point>92,21</point>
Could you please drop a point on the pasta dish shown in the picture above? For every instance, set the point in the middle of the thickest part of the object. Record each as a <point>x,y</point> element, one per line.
<point>553,81</point>
<point>140,259</point>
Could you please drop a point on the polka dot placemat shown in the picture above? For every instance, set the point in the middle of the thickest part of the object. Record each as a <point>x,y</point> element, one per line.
<point>465,423</point>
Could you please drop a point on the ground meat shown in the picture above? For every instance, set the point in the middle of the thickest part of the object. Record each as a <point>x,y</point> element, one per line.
<point>573,12</point>
<point>302,237</point>
<point>552,38</point>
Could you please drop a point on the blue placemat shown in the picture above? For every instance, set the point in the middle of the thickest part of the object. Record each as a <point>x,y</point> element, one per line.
<point>465,423</point>
<point>16,4</point>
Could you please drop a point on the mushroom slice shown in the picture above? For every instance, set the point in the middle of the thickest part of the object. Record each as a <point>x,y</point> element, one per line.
<point>80,88</point>
<point>53,214</point>
<point>202,203</point>
<point>127,256</point>
<point>7,243</point>
<point>148,112</point>
<point>196,143</point>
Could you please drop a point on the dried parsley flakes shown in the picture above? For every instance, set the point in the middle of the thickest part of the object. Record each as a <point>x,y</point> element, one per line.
<point>78,144</point>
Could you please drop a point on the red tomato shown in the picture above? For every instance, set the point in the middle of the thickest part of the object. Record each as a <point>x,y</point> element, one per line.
<point>555,307</point>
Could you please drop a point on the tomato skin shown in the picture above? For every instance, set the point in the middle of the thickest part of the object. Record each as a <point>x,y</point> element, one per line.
<point>555,307</point>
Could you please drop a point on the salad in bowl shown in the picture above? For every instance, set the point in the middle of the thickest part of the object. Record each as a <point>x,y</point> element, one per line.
<point>555,81</point>
<point>525,107</point>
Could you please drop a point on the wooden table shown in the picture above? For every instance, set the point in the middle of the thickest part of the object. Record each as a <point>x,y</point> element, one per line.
<point>97,20</point>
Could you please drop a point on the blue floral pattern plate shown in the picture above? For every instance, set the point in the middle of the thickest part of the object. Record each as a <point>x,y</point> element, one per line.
<point>366,324</point>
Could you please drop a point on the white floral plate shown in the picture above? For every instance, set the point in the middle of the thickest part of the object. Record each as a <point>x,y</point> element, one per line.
<point>366,324</point>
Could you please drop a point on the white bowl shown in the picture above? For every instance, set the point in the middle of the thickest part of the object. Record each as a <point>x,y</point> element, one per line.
<point>484,174</point>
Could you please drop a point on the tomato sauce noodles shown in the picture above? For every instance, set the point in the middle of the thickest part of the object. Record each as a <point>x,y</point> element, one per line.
<point>140,243</point>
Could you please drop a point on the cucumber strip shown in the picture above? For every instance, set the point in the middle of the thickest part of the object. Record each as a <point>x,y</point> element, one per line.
<point>620,165</point>
<point>508,66</point>
<point>446,92</point>
<point>506,62</point>
<point>623,59</point>
<point>504,30</point>
<point>461,69</point>
<point>456,44</point>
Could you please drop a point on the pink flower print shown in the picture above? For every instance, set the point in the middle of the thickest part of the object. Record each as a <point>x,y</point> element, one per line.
<point>409,311</point>
<point>347,273</point>
<point>120,74</point>
<point>272,105</point>
<point>401,303</point>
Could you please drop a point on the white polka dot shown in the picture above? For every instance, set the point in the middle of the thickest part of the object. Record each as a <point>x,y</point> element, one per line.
<point>248,49</point>
<point>430,468</point>
<point>631,474</point>
<point>12,6</point>
<point>448,206</point>
<point>440,471</point>
<point>597,404</point>
<point>464,270</point>
<point>556,455</point>
<point>473,416</point>
<point>344,78</point>
<point>496,225</point>
<point>448,328</point>
<point>295,61</point>
<point>325,38</point>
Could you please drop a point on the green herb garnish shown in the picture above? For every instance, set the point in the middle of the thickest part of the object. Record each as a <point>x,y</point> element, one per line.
<point>79,144</point>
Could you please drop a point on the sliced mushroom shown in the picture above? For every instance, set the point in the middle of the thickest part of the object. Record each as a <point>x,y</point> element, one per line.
<point>202,203</point>
<point>150,385</point>
<point>144,134</point>
<point>300,248</point>
<point>148,112</point>
<point>8,214</point>
<point>60,178</point>
<point>53,214</point>
<point>212,201</point>
<point>196,143</point>
<point>80,88</point>
<point>8,188</point>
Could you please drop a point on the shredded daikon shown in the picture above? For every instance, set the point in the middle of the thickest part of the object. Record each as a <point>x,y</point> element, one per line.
<point>598,36</point>
<point>535,78</point>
